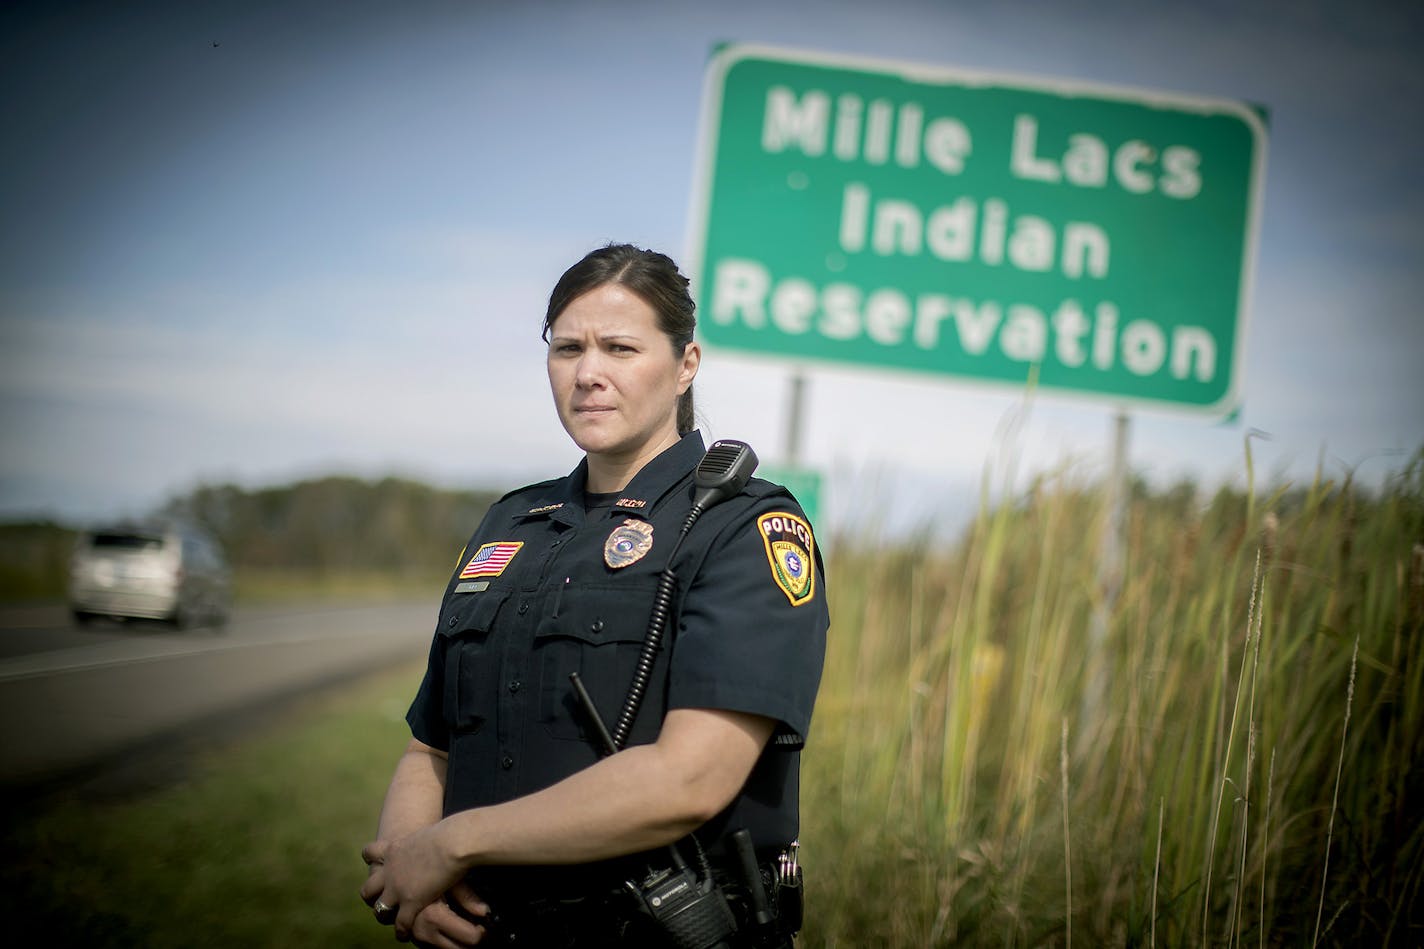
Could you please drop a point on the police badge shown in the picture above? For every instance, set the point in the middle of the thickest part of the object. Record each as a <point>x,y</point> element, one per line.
<point>629,543</point>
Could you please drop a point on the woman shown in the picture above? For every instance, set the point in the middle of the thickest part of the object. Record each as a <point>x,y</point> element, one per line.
<point>504,822</point>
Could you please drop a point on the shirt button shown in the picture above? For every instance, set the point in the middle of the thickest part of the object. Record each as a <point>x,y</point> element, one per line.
<point>597,626</point>
<point>506,762</point>
<point>515,686</point>
<point>523,607</point>
<point>453,621</point>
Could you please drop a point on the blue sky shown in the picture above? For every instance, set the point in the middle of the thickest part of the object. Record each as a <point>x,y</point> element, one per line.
<point>257,241</point>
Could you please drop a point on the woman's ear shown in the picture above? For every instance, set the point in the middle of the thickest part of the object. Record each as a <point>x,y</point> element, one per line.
<point>691,359</point>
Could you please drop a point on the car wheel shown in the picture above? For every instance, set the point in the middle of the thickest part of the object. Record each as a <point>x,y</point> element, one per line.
<point>181,617</point>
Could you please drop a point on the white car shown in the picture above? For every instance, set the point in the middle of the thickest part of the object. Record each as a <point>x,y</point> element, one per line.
<point>155,571</point>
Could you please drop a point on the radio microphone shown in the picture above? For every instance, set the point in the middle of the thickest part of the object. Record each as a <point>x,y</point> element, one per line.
<point>721,474</point>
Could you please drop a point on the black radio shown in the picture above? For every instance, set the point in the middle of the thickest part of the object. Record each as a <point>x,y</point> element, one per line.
<point>692,911</point>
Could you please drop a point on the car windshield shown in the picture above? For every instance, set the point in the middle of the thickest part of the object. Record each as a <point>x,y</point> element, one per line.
<point>126,540</point>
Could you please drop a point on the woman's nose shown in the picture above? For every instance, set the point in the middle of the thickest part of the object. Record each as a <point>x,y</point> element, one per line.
<point>590,370</point>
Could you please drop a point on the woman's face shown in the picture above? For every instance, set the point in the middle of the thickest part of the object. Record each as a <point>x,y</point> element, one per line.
<point>615,376</point>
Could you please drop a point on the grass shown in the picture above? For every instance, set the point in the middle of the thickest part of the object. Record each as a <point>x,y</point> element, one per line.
<point>1249,773</point>
<point>1198,804</point>
<point>259,845</point>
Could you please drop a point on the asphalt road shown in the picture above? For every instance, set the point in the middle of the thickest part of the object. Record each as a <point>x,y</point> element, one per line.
<point>72,697</point>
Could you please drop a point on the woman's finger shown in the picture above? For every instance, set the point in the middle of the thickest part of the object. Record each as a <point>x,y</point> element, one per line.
<point>373,885</point>
<point>467,900</point>
<point>441,925</point>
<point>374,852</point>
<point>405,919</point>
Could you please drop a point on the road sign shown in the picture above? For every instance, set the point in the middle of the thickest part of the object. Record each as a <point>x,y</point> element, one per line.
<point>1097,240</point>
<point>803,483</point>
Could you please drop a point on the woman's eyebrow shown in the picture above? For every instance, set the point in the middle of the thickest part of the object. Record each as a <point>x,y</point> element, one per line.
<point>602,338</point>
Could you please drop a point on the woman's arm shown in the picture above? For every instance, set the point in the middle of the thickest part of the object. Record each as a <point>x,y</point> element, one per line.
<point>414,802</point>
<point>640,798</point>
<point>416,796</point>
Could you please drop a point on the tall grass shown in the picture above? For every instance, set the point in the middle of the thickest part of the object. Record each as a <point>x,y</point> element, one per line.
<point>938,791</point>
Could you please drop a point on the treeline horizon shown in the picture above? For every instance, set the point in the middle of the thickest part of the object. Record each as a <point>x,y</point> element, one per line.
<point>336,524</point>
<point>316,527</point>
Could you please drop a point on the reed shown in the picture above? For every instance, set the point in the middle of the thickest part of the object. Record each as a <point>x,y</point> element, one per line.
<point>936,788</point>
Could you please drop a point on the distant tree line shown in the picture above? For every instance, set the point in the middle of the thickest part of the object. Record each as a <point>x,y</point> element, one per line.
<point>337,524</point>
<point>340,525</point>
<point>331,525</point>
<point>34,560</point>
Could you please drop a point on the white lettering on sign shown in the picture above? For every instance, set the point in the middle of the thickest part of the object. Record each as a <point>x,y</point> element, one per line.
<point>1071,335</point>
<point>1086,163</point>
<point>740,288</point>
<point>1027,242</point>
<point>874,134</point>
<point>882,130</point>
<point>788,122</point>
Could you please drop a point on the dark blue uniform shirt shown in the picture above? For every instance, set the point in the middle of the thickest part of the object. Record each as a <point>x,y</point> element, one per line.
<point>546,588</point>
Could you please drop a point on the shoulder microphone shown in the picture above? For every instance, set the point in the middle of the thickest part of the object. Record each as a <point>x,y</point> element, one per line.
<point>721,474</point>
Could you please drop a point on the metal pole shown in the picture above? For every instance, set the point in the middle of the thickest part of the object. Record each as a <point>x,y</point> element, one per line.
<point>1110,574</point>
<point>795,410</point>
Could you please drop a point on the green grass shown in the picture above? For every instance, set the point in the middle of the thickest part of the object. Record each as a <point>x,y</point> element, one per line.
<point>258,846</point>
<point>1194,801</point>
<point>1240,763</point>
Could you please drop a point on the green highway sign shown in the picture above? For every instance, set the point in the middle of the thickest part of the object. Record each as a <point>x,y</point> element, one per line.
<point>1096,240</point>
<point>803,483</point>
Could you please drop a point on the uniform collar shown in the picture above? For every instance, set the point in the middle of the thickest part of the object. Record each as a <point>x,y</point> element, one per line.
<point>563,502</point>
<point>661,474</point>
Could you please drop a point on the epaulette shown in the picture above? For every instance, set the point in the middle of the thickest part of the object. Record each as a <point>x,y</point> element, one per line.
<point>537,486</point>
<point>762,488</point>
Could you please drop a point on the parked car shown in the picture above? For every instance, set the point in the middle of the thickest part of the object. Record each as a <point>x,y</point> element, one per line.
<point>159,571</point>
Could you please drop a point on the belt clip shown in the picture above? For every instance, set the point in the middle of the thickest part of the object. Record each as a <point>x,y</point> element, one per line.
<point>787,863</point>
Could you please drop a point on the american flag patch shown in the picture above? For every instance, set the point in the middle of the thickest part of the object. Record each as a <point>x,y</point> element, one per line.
<point>491,559</point>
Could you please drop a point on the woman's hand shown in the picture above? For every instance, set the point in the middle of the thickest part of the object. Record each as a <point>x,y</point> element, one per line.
<point>410,874</point>
<point>447,923</point>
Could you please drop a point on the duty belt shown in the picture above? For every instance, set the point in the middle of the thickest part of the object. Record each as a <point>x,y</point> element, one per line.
<point>529,914</point>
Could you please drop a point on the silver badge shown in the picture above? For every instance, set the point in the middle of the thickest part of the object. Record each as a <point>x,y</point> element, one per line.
<point>629,543</point>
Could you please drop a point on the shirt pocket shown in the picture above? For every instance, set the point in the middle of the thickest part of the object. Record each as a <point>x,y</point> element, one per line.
<point>599,634</point>
<point>471,663</point>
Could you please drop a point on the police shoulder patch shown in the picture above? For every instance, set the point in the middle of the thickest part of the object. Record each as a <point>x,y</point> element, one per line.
<point>791,551</point>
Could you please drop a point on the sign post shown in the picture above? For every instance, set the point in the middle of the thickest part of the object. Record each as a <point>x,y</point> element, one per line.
<point>983,228</point>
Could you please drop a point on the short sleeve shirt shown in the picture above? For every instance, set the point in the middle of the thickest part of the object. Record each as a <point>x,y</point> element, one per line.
<point>545,588</point>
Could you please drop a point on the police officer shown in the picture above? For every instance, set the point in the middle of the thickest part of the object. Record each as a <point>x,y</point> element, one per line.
<point>507,821</point>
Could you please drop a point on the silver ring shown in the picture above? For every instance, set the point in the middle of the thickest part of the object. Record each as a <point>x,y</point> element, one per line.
<point>384,913</point>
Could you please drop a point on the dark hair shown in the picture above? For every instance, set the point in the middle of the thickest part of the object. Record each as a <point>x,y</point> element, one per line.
<point>654,278</point>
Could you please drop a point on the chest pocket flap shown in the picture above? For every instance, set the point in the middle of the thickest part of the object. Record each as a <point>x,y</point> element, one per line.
<point>471,612</point>
<point>598,633</point>
<point>471,662</point>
